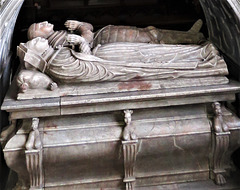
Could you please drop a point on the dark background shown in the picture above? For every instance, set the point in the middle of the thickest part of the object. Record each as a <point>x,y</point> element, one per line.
<point>164,14</point>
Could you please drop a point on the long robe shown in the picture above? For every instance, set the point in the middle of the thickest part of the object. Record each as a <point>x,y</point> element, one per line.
<point>136,61</point>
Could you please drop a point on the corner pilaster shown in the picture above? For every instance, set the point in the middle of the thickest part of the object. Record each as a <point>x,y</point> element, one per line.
<point>130,150</point>
<point>221,135</point>
<point>34,155</point>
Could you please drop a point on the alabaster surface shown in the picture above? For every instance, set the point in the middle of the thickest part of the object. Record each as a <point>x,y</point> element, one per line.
<point>62,62</point>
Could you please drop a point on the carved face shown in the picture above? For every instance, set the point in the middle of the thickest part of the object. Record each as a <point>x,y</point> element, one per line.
<point>41,29</point>
<point>127,118</point>
<point>218,110</point>
<point>44,27</point>
<point>35,122</point>
<point>38,45</point>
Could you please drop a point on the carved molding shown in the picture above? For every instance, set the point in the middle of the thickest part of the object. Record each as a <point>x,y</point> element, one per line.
<point>130,149</point>
<point>34,166</point>
<point>220,146</point>
<point>34,157</point>
<point>223,23</point>
<point>8,14</point>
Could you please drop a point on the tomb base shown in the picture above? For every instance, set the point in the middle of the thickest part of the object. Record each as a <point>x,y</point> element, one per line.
<point>124,140</point>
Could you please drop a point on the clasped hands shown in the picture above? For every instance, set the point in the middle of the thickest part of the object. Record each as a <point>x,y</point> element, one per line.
<point>74,39</point>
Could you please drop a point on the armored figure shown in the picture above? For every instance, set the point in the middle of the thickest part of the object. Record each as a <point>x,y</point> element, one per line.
<point>111,34</point>
<point>150,34</point>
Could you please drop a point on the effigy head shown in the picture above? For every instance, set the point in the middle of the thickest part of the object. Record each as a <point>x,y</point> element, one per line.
<point>41,29</point>
<point>35,53</point>
<point>38,45</point>
<point>217,108</point>
<point>128,116</point>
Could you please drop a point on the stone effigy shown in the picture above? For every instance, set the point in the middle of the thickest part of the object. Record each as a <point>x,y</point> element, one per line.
<point>122,61</point>
<point>111,34</point>
<point>52,53</point>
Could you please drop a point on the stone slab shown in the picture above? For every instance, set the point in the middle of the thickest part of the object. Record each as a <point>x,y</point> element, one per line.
<point>231,88</point>
<point>115,87</point>
<point>42,107</point>
<point>148,99</point>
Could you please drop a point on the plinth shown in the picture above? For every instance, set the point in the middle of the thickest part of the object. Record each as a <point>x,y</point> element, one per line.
<point>85,141</point>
